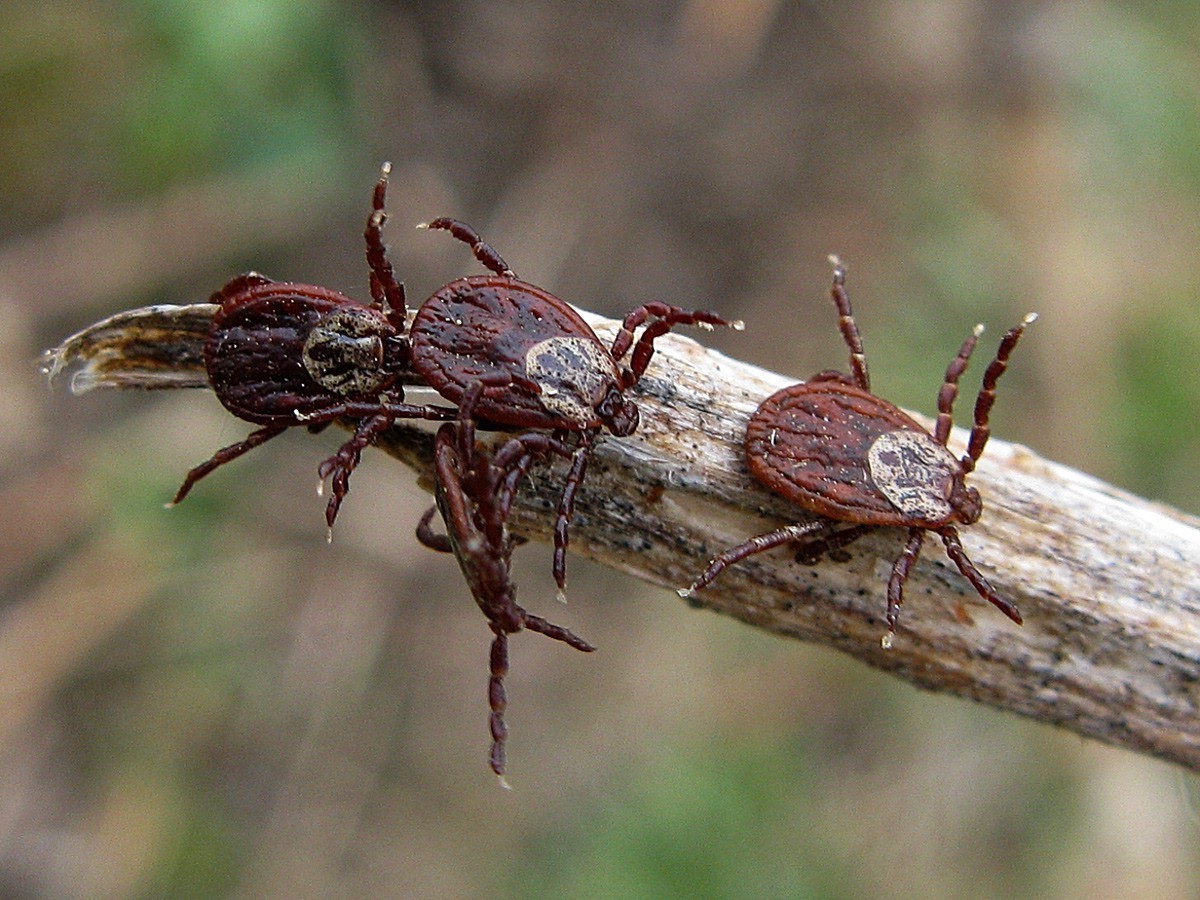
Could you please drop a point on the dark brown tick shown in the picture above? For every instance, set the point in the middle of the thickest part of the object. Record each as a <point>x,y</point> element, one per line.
<point>280,354</point>
<point>474,495</point>
<point>834,448</point>
<point>539,363</point>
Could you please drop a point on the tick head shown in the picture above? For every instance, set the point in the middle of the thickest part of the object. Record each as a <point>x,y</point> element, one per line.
<point>966,502</point>
<point>618,413</point>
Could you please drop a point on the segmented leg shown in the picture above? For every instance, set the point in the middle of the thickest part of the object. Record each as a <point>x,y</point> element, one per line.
<point>758,544</point>
<point>848,327</point>
<point>387,292</point>
<point>498,700</point>
<point>987,392</point>
<point>954,549</point>
<point>483,251</point>
<point>224,455</point>
<point>949,389</point>
<point>811,552</point>
<point>901,568</point>
<point>430,538</point>
<point>474,490</point>
<point>668,317</point>
<point>346,460</point>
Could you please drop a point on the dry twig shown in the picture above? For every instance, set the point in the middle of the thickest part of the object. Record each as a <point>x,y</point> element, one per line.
<point>1109,583</point>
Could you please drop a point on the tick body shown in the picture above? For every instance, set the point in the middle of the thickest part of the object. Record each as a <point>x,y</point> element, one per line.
<point>538,363</point>
<point>838,451</point>
<point>281,355</point>
<point>546,365</point>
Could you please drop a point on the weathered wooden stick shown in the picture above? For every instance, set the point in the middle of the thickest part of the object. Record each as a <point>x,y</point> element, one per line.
<point>1109,584</point>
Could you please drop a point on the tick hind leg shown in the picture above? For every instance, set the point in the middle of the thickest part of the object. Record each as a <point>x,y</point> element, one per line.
<point>757,544</point>
<point>386,291</point>
<point>430,538</point>
<point>811,552</point>
<point>848,326</point>
<point>667,317</point>
<point>498,700</point>
<point>498,668</point>
<point>484,252</point>
<point>224,455</point>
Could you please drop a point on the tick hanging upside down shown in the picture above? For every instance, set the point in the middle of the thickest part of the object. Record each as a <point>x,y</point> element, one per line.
<point>474,495</point>
<point>835,449</point>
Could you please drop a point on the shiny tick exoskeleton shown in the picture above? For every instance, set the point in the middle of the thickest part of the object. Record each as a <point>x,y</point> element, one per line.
<point>838,451</point>
<point>539,363</point>
<point>280,355</point>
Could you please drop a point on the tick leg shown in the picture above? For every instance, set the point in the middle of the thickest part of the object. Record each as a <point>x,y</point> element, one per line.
<point>949,389</point>
<point>511,462</point>
<point>556,632</point>
<point>566,507</point>
<point>901,568</point>
<point>987,392</point>
<point>387,292</point>
<point>498,700</point>
<point>849,327</point>
<point>668,317</point>
<point>810,552</point>
<point>483,251</point>
<point>954,549</point>
<point>224,455</point>
<point>757,544</point>
<point>430,538</point>
<point>342,463</point>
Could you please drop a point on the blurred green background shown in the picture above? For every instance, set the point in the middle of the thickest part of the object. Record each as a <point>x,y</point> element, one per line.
<point>209,701</point>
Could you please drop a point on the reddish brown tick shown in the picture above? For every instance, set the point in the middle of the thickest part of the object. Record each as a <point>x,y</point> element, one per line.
<point>539,363</point>
<point>835,449</point>
<point>474,494</point>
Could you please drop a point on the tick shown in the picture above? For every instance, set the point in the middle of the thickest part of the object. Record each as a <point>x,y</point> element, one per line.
<point>835,449</point>
<point>539,364</point>
<point>280,354</point>
<point>474,491</point>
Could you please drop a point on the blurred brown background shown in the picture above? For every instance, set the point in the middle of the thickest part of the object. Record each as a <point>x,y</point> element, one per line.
<point>210,701</point>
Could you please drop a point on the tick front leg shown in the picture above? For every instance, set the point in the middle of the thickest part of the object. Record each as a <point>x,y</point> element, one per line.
<point>224,455</point>
<point>668,317</point>
<point>484,252</point>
